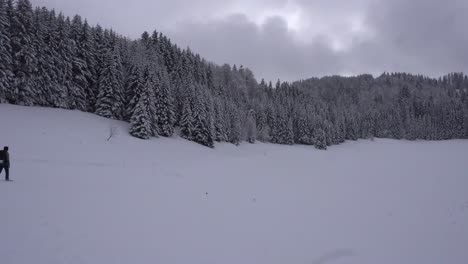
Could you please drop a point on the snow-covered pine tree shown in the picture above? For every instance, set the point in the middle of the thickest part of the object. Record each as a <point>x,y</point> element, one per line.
<point>202,119</point>
<point>320,141</point>
<point>141,120</point>
<point>58,93</point>
<point>465,122</point>
<point>177,84</point>
<point>108,103</point>
<point>5,54</point>
<point>303,133</point>
<point>44,73</point>
<point>235,129</point>
<point>280,127</point>
<point>145,38</point>
<point>24,57</point>
<point>169,53</point>
<point>340,127</point>
<point>164,104</point>
<point>289,133</point>
<point>352,126</point>
<point>220,129</point>
<point>260,120</point>
<point>82,74</point>
<point>63,60</point>
<point>73,68</point>
<point>133,89</point>
<point>187,118</point>
<point>101,48</point>
<point>270,120</point>
<point>150,84</point>
<point>119,105</point>
<point>181,79</point>
<point>87,53</point>
<point>251,127</point>
<point>155,40</point>
<point>329,132</point>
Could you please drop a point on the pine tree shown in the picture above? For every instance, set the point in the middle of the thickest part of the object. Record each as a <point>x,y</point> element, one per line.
<point>251,127</point>
<point>80,68</point>
<point>150,84</point>
<point>202,119</point>
<point>53,64</point>
<point>220,129</point>
<point>101,49</point>
<point>109,102</point>
<point>303,134</point>
<point>5,54</point>
<point>235,129</point>
<point>133,87</point>
<point>119,106</point>
<point>289,133</point>
<point>24,57</point>
<point>44,75</point>
<point>87,53</point>
<point>181,78</point>
<point>282,128</point>
<point>164,105</point>
<point>187,119</point>
<point>141,119</point>
<point>72,76</point>
<point>320,141</point>
<point>64,62</point>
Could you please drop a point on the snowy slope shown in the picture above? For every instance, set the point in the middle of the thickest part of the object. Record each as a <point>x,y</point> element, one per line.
<point>78,198</point>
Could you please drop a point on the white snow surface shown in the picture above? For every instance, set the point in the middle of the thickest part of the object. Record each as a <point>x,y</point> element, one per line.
<point>78,198</point>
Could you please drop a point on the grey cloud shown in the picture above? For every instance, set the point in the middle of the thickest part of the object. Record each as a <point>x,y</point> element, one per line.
<point>269,49</point>
<point>133,17</point>
<point>418,36</point>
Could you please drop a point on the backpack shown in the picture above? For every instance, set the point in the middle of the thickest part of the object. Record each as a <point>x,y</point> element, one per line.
<point>2,155</point>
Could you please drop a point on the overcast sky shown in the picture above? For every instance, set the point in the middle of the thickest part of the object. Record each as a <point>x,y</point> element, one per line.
<point>297,39</point>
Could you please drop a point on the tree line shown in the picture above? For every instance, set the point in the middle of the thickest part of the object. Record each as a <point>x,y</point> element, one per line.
<point>50,60</point>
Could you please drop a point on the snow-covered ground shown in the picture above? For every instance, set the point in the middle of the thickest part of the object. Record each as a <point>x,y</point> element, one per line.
<point>78,198</point>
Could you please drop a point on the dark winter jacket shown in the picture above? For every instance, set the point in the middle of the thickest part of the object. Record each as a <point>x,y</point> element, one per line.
<point>5,159</point>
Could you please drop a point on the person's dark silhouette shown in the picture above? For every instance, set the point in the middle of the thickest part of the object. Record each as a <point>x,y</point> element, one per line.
<point>5,162</point>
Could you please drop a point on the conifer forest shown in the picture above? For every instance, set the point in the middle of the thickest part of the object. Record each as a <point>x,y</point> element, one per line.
<point>50,60</point>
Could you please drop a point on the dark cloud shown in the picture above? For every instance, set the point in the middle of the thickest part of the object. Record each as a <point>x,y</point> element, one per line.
<point>270,49</point>
<point>420,36</point>
<point>293,39</point>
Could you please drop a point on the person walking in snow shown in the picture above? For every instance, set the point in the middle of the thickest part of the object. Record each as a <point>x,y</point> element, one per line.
<point>5,162</point>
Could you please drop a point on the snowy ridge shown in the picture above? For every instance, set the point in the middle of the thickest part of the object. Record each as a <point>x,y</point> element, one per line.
<point>79,198</point>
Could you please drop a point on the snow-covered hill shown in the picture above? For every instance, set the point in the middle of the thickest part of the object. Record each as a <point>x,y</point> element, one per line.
<point>80,198</point>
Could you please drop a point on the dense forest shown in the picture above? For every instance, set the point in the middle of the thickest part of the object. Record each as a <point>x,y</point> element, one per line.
<point>47,59</point>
